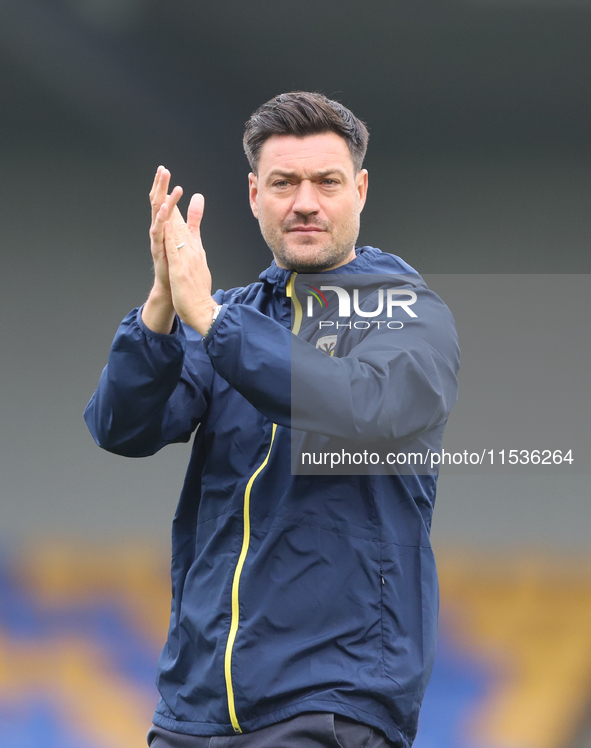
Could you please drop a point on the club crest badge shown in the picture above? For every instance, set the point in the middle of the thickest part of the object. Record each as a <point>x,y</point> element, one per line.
<point>327,344</point>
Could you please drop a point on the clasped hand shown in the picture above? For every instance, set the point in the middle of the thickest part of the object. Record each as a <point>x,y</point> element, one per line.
<point>182,281</point>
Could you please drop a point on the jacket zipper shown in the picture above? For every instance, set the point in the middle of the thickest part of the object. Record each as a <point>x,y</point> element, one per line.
<point>235,587</point>
<point>290,293</point>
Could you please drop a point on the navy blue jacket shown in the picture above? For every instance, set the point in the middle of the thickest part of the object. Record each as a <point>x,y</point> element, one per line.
<point>292,593</point>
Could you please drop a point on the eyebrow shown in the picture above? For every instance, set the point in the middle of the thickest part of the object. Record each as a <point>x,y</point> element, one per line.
<point>313,175</point>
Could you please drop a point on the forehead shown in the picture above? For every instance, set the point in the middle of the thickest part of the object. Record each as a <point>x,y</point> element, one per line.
<point>308,153</point>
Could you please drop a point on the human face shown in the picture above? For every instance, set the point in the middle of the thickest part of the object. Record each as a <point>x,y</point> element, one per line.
<point>307,199</point>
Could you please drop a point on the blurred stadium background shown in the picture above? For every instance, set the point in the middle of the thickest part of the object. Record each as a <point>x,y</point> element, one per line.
<point>480,160</point>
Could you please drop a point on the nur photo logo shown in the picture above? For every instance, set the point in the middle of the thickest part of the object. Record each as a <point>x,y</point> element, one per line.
<point>349,304</point>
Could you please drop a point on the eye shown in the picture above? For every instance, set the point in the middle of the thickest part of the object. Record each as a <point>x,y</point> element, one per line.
<point>330,182</point>
<point>281,183</point>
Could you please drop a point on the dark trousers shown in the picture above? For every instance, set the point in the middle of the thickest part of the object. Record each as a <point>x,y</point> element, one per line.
<point>310,730</point>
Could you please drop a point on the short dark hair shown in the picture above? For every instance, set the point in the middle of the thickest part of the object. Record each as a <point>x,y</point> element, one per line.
<point>302,113</point>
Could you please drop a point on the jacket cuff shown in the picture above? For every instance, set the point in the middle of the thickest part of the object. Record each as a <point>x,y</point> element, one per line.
<point>173,335</point>
<point>216,323</point>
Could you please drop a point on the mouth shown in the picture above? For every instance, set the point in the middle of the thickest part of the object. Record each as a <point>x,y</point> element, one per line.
<point>305,230</point>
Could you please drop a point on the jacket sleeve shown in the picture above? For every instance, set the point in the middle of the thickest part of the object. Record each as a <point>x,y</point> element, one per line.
<point>153,391</point>
<point>392,384</point>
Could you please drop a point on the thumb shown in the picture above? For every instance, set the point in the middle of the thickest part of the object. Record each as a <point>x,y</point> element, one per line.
<point>195,214</point>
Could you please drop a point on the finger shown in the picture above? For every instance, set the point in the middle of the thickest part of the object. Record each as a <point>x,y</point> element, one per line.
<point>160,191</point>
<point>173,198</point>
<point>170,244</point>
<point>195,214</point>
<point>183,238</point>
<point>162,186</point>
<point>154,202</point>
<point>157,230</point>
<point>155,182</point>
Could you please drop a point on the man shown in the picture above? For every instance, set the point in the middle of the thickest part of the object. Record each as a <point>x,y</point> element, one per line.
<point>304,606</point>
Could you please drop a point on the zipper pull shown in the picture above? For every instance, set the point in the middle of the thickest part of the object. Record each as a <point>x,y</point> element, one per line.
<point>382,575</point>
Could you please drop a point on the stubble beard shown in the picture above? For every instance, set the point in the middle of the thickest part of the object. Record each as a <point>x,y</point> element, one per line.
<point>327,256</point>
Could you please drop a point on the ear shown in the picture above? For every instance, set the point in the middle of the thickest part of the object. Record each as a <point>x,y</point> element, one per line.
<point>253,193</point>
<point>361,184</point>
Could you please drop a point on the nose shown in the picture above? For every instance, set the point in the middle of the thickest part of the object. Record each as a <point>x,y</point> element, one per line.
<point>305,199</point>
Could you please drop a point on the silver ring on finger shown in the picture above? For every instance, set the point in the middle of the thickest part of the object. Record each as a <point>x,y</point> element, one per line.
<point>182,244</point>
